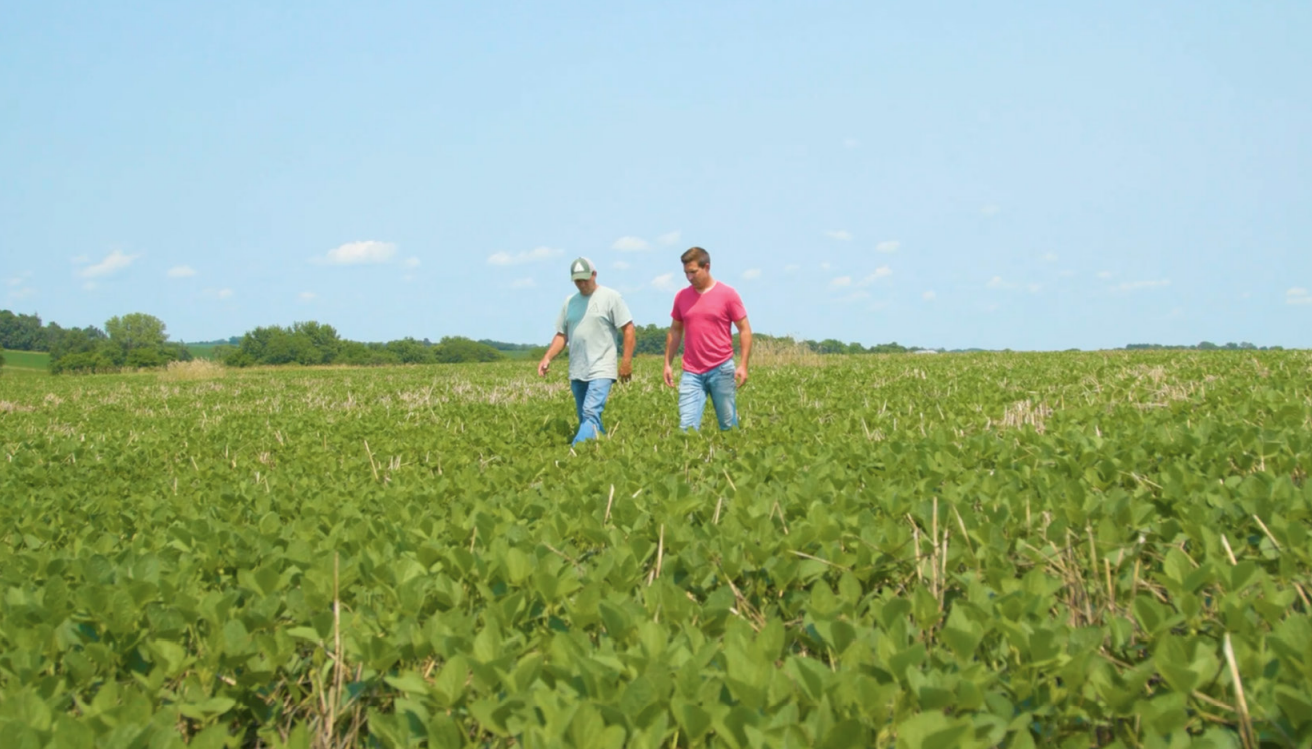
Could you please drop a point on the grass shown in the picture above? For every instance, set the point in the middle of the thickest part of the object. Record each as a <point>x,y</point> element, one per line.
<point>27,360</point>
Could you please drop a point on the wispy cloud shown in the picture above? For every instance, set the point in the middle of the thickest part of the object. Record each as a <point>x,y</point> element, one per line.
<point>82,259</point>
<point>989,211</point>
<point>523,283</point>
<point>665,282</point>
<point>21,293</point>
<point>856,296</point>
<point>1298,295</point>
<point>411,262</point>
<point>839,234</point>
<point>888,246</point>
<point>1048,257</point>
<point>882,271</point>
<point>217,294</point>
<point>534,255</point>
<point>181,271</point>
<point>841,282</point>
<point>929,296</point>
<point>307,296</point>
<point>851,143</point>
<point>19,279</point>
<point>752,273</point>
<point>630,244</point>
<point>825,265</point>
<point>1034,288</point>
<point>1129,286</point>
<point>1066,273</point>
<point>998,283</point>
<point>1105,274</point>
<point>670,237</point>
<point>369,252</point>
<point>620,265</point>
<point>792,267</point>
<point>113,262</point>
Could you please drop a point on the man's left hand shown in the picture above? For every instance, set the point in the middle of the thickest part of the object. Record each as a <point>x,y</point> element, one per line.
<point>626,371</point>
<point>740,376</point>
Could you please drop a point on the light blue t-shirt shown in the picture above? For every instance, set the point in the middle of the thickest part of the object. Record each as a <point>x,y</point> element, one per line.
<point>589,324</point>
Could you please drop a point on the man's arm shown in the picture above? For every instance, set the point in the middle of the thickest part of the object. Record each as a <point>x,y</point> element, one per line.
<point>672,340</point>
<point>745,338</point>
<point>630,343</point>
<point>557,345</point>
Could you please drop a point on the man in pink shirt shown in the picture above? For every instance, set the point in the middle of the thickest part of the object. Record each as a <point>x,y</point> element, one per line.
<point>701,318</point>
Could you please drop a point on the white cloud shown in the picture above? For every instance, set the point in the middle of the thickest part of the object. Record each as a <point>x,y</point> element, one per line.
<point>1049,257</point>
<point>1298,295</point>
<point>89,285</point>
<point>23,293</point>
<point>929,296</point>
<point>217,293</point>
<point>81,259</point>
<point>113,262</point>
<point>411,262</point>
<point>840,235</point>
<point>1034,288</point>
<point>792,267</point>
<point>841,281</point>
<point>888,246</point>
<point>751,273</point>
<point>1105,274</point>
<point>989,211</point>
<point>307,296</point>
<point>359,253</point>
<point>1129,286</point>
<point>630,244</point>
<point>882,271</point>
<point>670,237</point>
<point>851,143</point>
<point>997,283</point>
<point>533,255</point>
<point>665,282</point>
<point>19,279</point>
<point>523,283</point>
<point>181,271</point>
<point>621,265</point>
<point>825,265</point>
<point>1066,273</point>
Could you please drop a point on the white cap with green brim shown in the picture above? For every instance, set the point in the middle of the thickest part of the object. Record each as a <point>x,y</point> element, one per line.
<point>581,269</point>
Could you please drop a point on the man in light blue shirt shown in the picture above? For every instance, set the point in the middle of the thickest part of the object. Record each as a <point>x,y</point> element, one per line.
<point>588,323</point>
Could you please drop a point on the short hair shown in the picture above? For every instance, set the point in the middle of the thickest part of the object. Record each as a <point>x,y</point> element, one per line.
<point>702,257</point>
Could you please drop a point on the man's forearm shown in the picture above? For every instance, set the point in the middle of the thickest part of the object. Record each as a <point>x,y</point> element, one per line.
<point>557,346</point>
<point>745,339</point>
<point>630,343</point>
<point>670,345</point>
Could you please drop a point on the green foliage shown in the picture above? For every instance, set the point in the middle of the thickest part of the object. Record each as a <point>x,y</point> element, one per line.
<point>973,550</point>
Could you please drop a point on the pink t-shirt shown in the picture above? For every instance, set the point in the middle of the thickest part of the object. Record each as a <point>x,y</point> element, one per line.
<point>706,317</point>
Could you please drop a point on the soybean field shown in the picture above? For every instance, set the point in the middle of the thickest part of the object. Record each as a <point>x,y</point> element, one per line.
<point>975,550</point>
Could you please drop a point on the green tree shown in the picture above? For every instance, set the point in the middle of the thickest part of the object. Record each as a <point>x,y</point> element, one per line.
<point>456,349</point>
<point>136,330</point>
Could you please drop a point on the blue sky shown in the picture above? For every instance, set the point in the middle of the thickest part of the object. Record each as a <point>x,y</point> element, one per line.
<point>1024,175</point>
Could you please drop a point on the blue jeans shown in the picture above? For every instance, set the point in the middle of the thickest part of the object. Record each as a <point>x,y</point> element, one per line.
<point>717,383</point>
<point>589,401</point>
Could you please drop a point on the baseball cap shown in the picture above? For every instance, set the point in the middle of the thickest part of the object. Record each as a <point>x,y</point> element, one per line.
<point>581,269</point>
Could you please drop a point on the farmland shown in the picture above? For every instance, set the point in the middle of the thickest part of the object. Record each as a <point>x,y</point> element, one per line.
<point>979,550</point>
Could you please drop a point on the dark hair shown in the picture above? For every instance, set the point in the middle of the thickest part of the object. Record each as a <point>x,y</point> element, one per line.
<point>702,257</point>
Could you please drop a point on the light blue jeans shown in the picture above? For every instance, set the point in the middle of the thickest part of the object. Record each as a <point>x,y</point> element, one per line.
<point>589,402</point>
<point>717,383</point>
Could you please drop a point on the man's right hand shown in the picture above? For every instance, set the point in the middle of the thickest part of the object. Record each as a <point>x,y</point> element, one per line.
<point>669,375</point>
<point>543,366</point>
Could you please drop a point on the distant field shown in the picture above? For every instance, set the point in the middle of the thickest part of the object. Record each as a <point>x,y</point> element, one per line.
<point>202,350</point>
<point>27,360</point>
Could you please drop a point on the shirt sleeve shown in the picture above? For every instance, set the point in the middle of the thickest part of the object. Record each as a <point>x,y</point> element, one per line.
<point>560,319</point>
<point>675,313</point>
<point>734,306</point>
<point>619,313</point>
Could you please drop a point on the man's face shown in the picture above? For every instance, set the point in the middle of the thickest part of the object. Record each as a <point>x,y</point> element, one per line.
<point>586,285</point>
<point>697,275</point>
